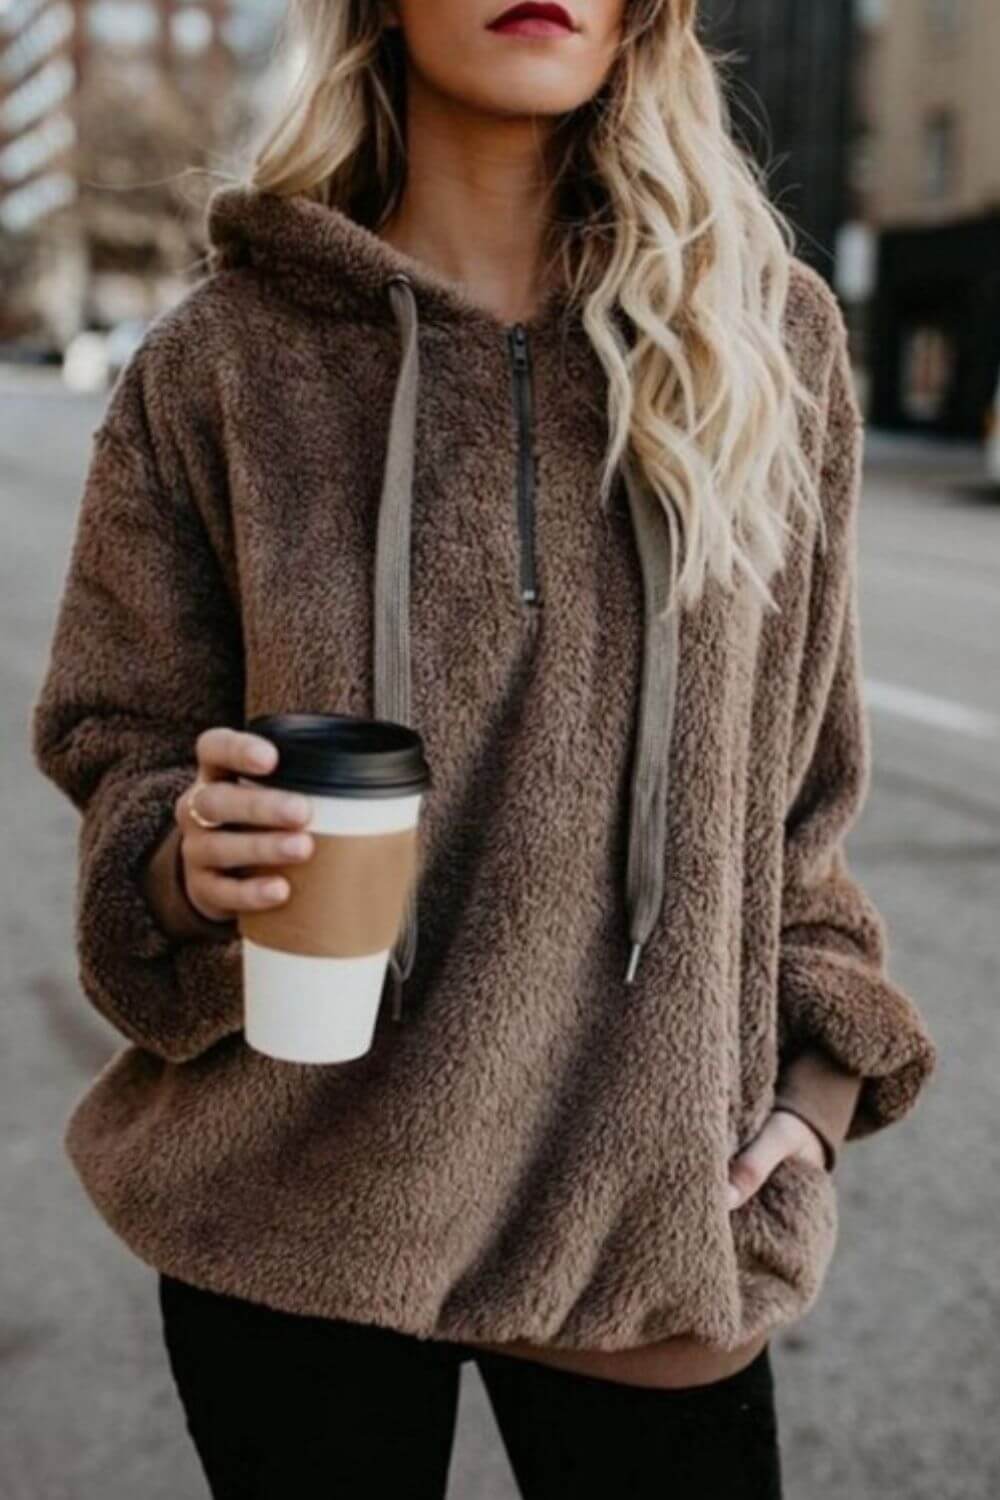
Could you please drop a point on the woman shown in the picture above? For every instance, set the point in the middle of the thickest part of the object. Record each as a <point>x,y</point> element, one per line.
<point>505,291</point>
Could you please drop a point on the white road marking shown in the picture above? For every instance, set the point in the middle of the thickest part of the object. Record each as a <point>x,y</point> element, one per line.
<point>924,708</point>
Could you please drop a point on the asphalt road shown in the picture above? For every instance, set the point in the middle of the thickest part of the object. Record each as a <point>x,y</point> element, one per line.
<point>889,1388</point>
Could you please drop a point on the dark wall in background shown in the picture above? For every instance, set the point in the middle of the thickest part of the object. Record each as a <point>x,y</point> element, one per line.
<point>791,104</point>
<point>945,279</point>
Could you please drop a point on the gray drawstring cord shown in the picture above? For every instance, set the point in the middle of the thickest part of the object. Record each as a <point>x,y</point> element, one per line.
<point>658,691</point>
<point>392,581</point>
<point>650,770</point>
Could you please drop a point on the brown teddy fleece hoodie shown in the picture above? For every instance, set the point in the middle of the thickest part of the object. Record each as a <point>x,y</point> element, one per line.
<point>637,929</point>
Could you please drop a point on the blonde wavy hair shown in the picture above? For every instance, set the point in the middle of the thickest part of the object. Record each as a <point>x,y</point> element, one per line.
<point>660,214</point>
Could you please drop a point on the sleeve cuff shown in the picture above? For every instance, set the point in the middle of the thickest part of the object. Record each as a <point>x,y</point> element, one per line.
<point>837,1004</point>
<point>173,998</point>
<point>163,878</point>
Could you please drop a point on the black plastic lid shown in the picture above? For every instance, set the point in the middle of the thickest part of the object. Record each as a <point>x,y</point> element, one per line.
<point>343,755</point>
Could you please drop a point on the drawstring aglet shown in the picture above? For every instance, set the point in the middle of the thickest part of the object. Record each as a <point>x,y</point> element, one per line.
<point>397,999</point>
<point>633,962</point>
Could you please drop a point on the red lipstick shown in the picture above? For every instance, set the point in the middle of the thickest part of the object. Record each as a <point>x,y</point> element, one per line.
<point>534,18</point>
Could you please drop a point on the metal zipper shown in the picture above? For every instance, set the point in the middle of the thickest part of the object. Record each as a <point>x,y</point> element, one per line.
<point>521,361</point>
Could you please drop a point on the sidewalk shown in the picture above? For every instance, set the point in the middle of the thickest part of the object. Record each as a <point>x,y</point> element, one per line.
<point>935,456</point>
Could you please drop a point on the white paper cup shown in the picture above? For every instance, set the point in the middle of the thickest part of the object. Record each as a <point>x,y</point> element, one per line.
<point>306,1007</point>
<point>314,966</point>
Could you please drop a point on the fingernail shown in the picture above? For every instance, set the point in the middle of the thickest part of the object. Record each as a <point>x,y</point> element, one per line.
<point>732,1195</point>
<point>262,753</point>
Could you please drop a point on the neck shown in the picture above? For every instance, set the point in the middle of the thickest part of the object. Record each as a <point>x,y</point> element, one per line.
<point>476,202</point>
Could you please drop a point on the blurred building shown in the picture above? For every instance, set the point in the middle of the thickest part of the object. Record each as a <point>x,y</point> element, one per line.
<point>926,179</point>
<point>102,102</point>
<point>790,105</point>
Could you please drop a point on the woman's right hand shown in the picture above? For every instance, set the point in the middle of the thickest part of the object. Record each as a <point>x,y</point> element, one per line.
<point>211,858</point>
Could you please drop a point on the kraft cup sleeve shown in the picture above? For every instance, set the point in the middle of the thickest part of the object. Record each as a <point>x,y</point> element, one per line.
<point>347,900</point>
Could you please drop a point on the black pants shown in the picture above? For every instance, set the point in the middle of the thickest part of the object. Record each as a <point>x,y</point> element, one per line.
<point>287,1407</point>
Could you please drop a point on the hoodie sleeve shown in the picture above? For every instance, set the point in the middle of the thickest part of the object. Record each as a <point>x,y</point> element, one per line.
<point>834,994</point>
<point>146,653</point>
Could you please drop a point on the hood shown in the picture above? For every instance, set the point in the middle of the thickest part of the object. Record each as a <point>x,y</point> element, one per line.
<point>327,260</point>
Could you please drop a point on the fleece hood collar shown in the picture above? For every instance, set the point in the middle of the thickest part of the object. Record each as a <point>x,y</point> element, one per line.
<point>329,260</point>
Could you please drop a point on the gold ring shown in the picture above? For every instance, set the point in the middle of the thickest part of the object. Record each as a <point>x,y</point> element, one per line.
<point>198,817</point>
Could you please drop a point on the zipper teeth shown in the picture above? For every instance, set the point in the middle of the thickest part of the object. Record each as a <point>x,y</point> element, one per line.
<point>522,396</point>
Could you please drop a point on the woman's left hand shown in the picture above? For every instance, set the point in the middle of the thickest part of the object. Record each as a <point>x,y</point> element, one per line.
<point>782,1134</point>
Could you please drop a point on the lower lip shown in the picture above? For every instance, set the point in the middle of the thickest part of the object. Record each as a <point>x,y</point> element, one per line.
<point>532,26</point>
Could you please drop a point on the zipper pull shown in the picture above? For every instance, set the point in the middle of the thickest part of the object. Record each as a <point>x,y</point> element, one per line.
<point>519,341</point>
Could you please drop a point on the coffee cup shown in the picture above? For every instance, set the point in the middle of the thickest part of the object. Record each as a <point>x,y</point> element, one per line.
<point>314,966</point>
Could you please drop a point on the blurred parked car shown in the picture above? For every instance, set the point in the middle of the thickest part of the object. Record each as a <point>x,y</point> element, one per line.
<point>94,357</point>
<point>30,352</point>
<point>85,361</point>
<point>121,343</point>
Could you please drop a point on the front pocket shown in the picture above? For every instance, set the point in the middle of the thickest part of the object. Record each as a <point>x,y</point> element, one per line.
<point>784,1236</point>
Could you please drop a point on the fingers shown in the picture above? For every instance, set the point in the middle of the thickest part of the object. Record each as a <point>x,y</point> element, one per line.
<point>230,802</point>
<point>214,893</point>
<point>781,1134</point>
<point>208,853</point>
<point>210,850</point>
<point>221,751</point>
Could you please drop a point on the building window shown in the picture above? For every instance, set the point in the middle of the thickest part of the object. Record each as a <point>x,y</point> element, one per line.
<point>927,372</point>
<point>940,142</point>
<point>862,160</point>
